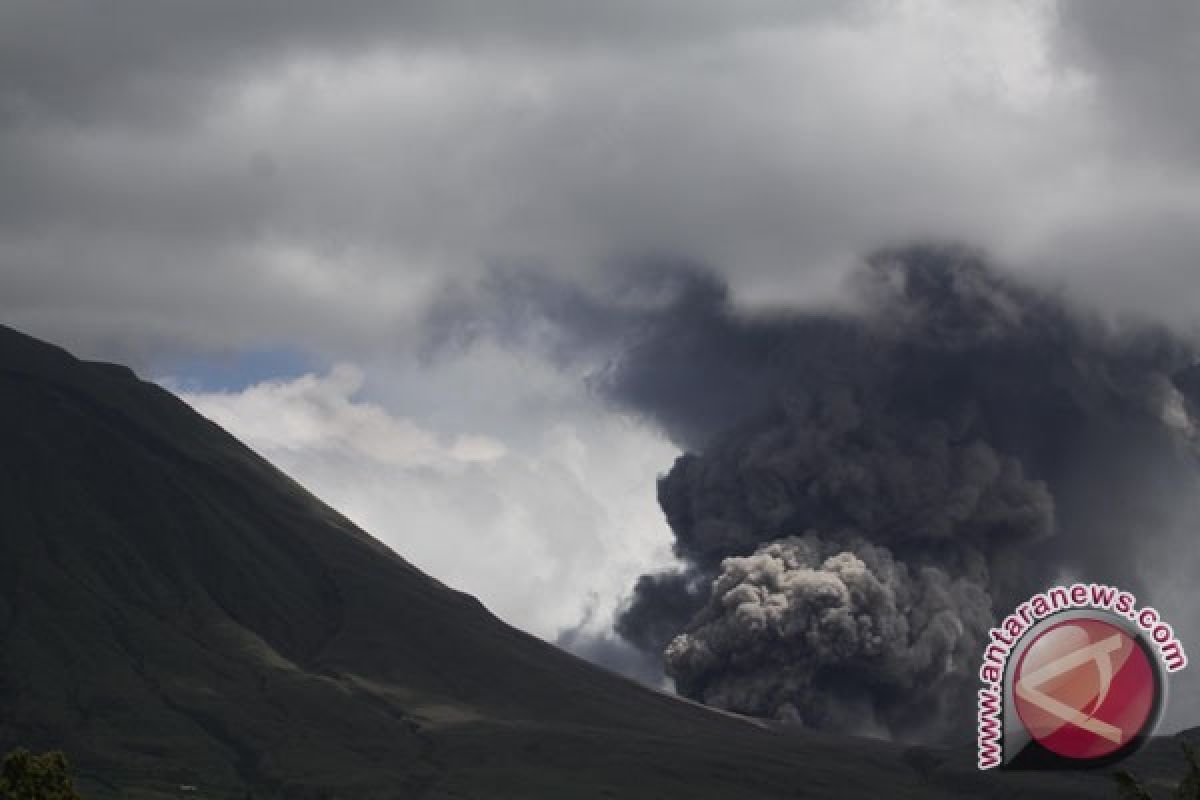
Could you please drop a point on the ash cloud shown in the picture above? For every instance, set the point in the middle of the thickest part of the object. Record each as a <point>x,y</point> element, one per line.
<point>813,631</point>
<point>863,493</point>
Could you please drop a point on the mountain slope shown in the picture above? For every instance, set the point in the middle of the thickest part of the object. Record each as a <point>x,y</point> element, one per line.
<point>175,611</point>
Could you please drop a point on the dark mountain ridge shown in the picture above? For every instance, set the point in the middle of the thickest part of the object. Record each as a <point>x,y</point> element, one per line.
<point>174,611</point>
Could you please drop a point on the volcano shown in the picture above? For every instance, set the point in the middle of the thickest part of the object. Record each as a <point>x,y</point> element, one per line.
<point>179,616</point>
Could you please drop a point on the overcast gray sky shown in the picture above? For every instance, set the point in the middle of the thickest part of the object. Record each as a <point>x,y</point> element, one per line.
<point>260,204</point>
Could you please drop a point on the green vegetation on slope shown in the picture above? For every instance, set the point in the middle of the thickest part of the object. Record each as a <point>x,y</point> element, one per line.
<point>25,776</point>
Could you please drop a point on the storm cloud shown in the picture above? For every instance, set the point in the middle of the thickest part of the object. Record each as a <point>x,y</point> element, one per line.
<point>202,178</point>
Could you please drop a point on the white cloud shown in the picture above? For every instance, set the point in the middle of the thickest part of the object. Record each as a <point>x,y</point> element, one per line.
<point>545,531</point>
<point>317,415</point>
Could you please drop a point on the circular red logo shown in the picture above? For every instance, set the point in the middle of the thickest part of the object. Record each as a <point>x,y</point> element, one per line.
<point>1085,688</point>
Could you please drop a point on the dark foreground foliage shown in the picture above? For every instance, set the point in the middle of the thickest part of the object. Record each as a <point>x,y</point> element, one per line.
<point>25,776</point>
<point>1130,788</point>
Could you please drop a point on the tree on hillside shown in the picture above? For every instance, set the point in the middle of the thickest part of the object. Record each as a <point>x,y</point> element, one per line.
<point>24,776</point>
<point>1130,788</point>
<point>1189,787</point>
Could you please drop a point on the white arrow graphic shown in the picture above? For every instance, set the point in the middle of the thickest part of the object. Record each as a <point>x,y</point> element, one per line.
<point>1098,653</point>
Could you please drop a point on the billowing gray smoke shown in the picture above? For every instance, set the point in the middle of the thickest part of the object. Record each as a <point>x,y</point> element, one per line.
<point>803,607</point>
<point>863,493</point>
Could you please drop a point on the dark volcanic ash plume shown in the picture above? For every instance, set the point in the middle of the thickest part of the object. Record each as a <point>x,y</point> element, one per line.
<point>863,493</point>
